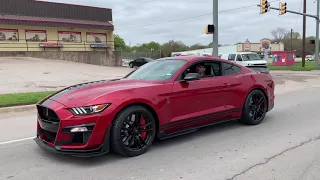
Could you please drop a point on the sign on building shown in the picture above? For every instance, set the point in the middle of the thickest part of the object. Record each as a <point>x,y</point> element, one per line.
<point>247,45</point>
<point>36,35</point>
<point>96,37</point>
<point>9,35</point>
<point>69,36</point>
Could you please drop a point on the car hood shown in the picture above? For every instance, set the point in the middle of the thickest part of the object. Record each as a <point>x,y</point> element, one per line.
<point>256,62</point>
<point>82,94</point>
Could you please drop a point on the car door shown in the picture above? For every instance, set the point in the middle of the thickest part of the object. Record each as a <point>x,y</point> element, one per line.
<point>232,87</point>
<point>239,60</point>
<point>198,102</point>
<point>143,61</point>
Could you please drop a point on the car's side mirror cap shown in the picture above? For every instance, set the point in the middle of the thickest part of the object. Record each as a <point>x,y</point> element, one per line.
<point>191,77</point>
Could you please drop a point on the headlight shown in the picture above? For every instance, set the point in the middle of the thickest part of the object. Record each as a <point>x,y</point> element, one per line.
<point>86,110</point>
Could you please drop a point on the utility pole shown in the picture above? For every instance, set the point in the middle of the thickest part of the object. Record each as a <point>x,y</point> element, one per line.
<point>291,40</point>
<point>316,55</point>
<point>283,10</point>
<point>215,51</point>
<point>304,34</point>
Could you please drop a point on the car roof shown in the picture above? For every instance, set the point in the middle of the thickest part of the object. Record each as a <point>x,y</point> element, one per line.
<point>194,58</point>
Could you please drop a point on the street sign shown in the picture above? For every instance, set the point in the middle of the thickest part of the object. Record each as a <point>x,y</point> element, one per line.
<point>266,46</point>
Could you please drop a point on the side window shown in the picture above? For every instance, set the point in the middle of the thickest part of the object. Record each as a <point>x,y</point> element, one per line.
<point>231,57</point>
<point>204,68</point>
<point>229,69</point>
<point>239,58</point>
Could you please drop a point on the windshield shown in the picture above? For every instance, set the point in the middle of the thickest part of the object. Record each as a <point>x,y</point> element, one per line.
<point>251,57</point>
<point>157,70</point>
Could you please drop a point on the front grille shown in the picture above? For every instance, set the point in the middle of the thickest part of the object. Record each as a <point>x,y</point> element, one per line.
<point>47,114</point>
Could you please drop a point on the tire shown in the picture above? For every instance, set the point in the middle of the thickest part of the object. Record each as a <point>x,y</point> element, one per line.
<point>121,132</point>
<point>131,65</point>
<point>255,104</point>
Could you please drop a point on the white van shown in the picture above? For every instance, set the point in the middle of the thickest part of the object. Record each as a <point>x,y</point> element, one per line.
<point>245,58</point>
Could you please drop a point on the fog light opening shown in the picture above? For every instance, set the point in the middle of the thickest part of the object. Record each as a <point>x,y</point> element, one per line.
<point>79,129</point>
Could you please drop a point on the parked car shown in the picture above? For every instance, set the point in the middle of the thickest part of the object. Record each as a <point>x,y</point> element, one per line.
<point>245,58</point>
<point>161,99</point>
<point>139,62</point>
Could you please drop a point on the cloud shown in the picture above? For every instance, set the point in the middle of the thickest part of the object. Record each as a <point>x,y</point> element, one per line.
<point>142,23</point>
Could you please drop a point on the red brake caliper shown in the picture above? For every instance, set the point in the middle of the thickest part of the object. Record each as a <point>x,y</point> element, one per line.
<point>143,122</point>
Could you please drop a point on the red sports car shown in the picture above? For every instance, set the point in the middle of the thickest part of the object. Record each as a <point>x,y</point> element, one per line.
<point>163,98</point>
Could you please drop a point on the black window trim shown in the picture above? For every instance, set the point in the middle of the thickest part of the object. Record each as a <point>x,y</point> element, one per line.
<point>197,62</point>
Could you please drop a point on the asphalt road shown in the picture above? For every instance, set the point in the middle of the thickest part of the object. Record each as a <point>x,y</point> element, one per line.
<point>285,147</point>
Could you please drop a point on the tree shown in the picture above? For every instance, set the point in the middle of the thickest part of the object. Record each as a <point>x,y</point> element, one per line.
<point>279,34</point>
<point>198,46</point>
<point>119,43</point>
<point>173,46</point>
<point>295,35</point>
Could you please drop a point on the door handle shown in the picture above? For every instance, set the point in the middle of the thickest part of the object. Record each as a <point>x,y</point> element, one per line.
<point>224,85</point>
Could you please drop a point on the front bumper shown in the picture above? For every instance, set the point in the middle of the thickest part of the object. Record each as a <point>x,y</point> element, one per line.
<point>103,149</point>
<point>54,131</point>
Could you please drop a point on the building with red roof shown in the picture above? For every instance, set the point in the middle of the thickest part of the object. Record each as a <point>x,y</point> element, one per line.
<point>30,25</point>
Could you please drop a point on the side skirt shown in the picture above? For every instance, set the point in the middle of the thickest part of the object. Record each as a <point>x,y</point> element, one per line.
<point>163,135</point>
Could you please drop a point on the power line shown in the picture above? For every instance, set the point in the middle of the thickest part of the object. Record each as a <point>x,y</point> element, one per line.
<point>298,15</point>
<point>193,17</point>
<point>138,5</point>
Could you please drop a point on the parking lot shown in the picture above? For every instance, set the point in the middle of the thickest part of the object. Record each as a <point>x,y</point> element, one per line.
<point>18,74</point>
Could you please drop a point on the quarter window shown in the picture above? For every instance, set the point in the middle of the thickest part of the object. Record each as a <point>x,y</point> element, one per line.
<point>229,69</point>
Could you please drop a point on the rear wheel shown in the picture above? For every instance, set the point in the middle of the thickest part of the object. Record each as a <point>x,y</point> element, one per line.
<point>255,108</point>
<point>133,131</point>
<point>131,65</point>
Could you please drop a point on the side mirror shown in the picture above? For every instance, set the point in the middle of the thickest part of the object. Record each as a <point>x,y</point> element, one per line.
<point>191,77</point>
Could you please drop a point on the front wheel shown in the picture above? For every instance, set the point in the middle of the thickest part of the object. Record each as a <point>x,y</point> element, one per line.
<point>133,131</point>
<point>255,108</point>
<point>131,65</point>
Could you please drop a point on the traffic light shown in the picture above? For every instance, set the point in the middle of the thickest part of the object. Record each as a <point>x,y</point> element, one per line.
<point>312,41</point>
<point>209,29</point>
<point>283,8</point>
<point>264,6</point>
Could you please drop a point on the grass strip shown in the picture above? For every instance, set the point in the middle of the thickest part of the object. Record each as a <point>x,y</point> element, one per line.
<point>296,67</point>
<point>17,99</point>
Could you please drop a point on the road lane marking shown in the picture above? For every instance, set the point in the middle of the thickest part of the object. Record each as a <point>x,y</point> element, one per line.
<point>17,140</point>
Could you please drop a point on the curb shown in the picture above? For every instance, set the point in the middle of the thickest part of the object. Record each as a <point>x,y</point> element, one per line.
<point>17,109</point>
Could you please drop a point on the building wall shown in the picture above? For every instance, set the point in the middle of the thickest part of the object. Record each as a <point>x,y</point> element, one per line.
<point>259,47</point>
<point>102,58</point>
<point>52,37</point>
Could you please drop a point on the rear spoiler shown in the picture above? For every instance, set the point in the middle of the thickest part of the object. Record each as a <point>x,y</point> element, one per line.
<point>260,68</point>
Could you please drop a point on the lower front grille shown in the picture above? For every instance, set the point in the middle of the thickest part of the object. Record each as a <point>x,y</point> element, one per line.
<point>50,136</point>
<point>47,114</point>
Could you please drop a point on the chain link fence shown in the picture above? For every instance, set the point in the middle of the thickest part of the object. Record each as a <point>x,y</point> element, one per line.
<point>130,56</point>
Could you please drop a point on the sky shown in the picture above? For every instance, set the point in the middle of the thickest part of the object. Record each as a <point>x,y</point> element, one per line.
<point>142,21</point>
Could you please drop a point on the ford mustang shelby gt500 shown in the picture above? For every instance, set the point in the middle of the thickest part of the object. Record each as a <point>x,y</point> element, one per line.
<point>163,98</point>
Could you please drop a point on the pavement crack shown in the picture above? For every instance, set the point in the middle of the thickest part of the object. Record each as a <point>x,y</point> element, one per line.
<point>274,156</point>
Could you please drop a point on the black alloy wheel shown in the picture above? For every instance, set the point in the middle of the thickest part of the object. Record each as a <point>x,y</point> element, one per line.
<point>133,131</point>
<point>255,108</point>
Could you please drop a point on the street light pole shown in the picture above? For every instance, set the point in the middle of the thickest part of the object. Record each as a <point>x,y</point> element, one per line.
<point>316,55</point>
<point>215,51</point>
